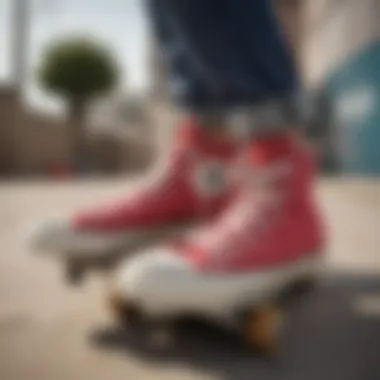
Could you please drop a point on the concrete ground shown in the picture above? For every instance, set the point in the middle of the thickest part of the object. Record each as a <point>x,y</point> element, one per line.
<point>47,329</point>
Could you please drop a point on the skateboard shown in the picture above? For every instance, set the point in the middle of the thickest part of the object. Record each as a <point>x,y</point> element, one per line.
<point>260,324</point>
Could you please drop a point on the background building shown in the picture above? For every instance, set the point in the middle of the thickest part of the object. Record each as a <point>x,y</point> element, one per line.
<point>341,54</point>
<point>337,45</point>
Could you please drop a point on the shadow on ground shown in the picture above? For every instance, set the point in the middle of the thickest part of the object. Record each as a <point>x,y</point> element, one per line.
<point>326,338</point>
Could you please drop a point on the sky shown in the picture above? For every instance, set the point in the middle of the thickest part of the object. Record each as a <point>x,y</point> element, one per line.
<point>121,24</point>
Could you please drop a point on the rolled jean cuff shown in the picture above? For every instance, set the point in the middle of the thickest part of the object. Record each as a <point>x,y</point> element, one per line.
<point>272,115</point>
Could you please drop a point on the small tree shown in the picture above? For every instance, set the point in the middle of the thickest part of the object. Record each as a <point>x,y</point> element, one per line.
<point>78,70</point>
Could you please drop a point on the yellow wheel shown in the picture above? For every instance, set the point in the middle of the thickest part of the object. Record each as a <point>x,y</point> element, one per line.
<point>123,312</point>
<point>263,328</point>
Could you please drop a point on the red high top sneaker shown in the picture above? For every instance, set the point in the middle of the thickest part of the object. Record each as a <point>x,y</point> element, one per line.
<point>273,222</point>
<point>193,186</point>
<point>268,237</point>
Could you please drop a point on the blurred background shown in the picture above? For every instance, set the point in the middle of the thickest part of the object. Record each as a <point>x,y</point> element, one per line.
<point>105,129</point>
<point>336,43</point>
<point>37,130</point>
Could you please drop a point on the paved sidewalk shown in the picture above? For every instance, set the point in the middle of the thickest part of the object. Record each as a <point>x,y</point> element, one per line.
<point>45,326</point>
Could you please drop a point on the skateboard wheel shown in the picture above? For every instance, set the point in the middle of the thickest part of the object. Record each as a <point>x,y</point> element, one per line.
<point>296,290</point>
<point>263,328</point>
<point>74,273</point>
<point>125,313</point>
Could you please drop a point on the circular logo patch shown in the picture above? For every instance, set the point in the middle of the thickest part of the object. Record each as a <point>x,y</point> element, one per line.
<point>209,178</point>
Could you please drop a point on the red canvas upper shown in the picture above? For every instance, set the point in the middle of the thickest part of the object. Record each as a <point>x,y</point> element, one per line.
<point>175,195</point>
<point>273,221</point>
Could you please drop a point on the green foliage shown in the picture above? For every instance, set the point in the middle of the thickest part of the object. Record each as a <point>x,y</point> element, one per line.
<point>77,69</point>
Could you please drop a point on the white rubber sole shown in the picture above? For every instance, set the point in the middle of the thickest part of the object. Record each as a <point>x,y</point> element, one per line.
<point>69,244</point>
<point>164,286</point>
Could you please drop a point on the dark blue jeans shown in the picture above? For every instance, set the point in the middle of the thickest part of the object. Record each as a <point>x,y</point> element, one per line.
<point>223,54</point>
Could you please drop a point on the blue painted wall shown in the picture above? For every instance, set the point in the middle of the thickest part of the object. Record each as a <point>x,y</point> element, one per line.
<point>355,90</point>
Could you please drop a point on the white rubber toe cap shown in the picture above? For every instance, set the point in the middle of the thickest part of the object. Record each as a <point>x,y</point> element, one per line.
<point>157,279</point>
<point>49,234</point>
<point>56,236</point>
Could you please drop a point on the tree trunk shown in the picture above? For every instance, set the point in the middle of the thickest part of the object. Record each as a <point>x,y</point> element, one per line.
<point>77,130</point>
